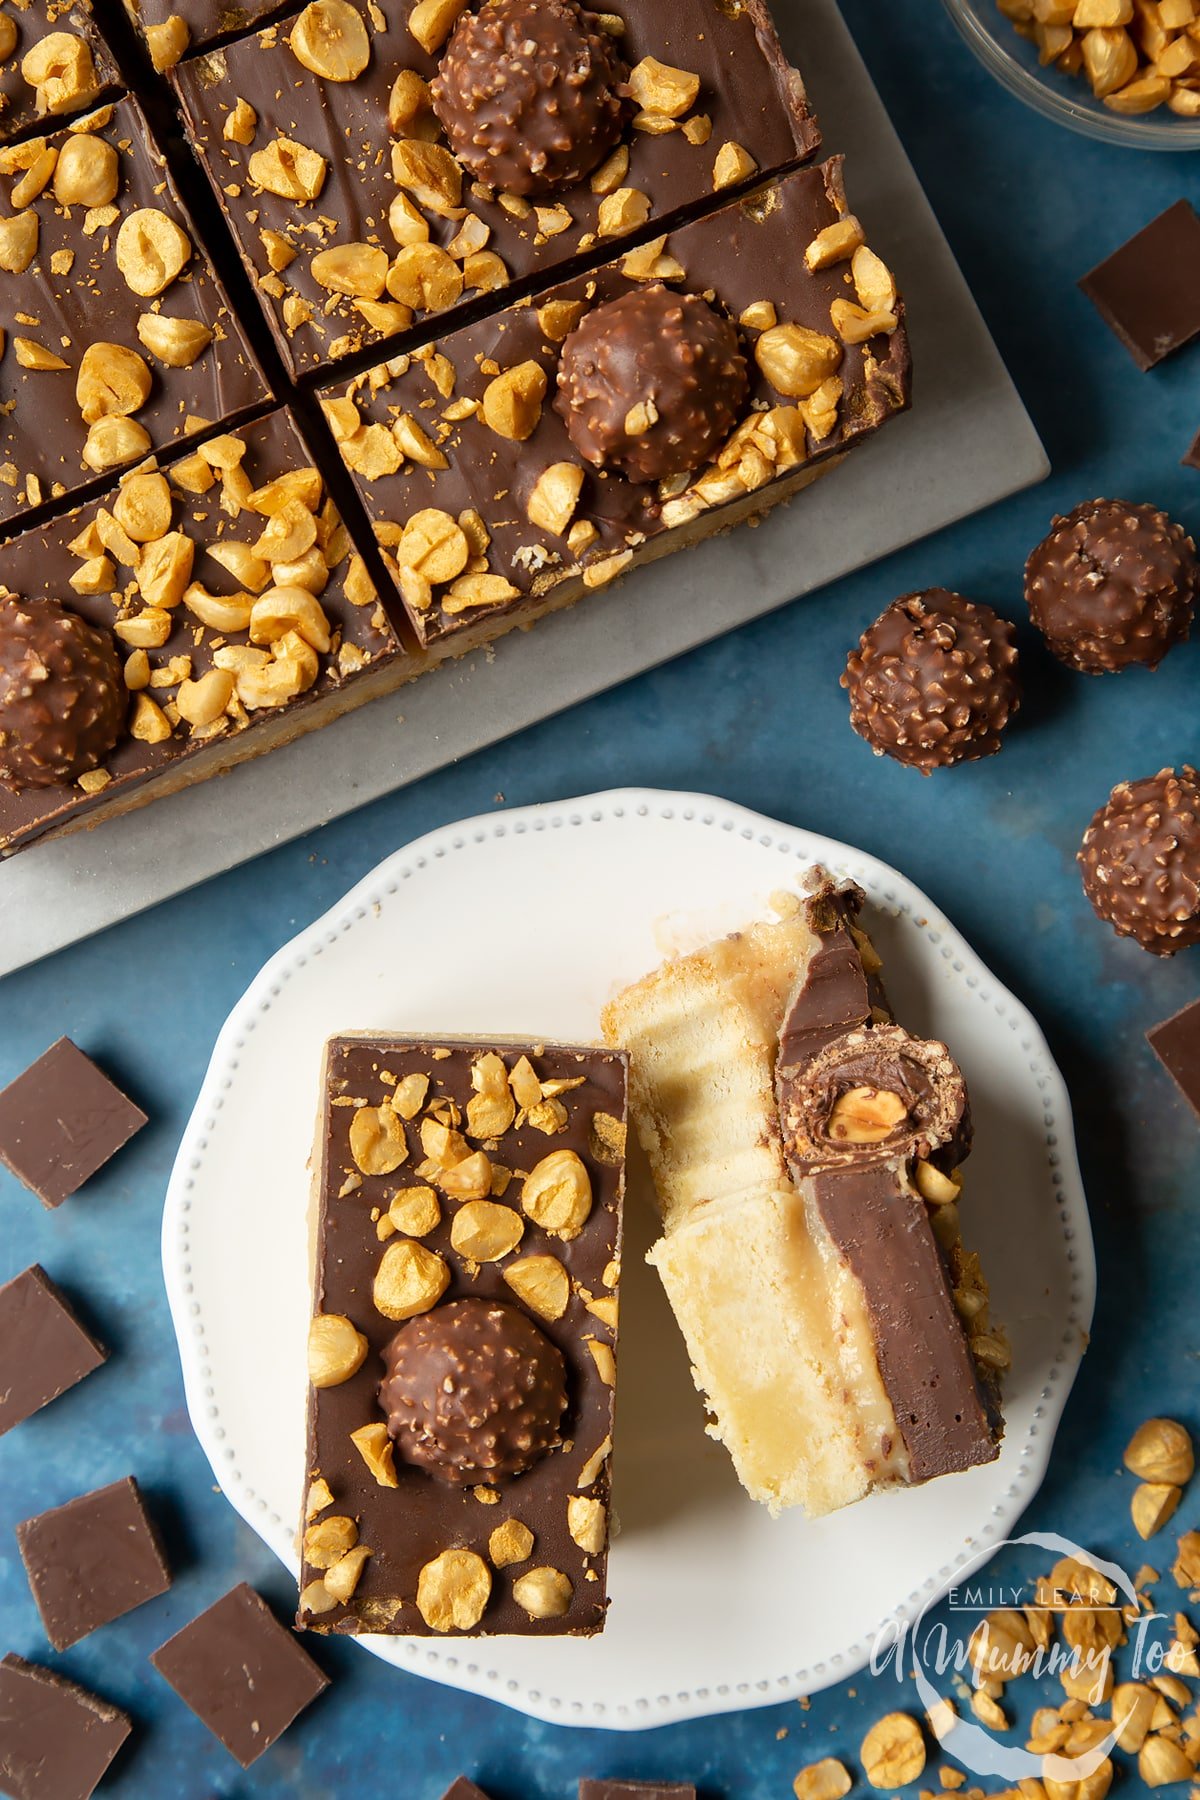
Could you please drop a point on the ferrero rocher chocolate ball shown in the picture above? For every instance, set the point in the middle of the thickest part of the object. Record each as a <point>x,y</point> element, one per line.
<point>527,94</point>
<point>1113,585</point>
<point>474,1392</point>
<point>934,680</point>
<point>650,384</point>
<point>1141,861</point>
<point>62,695</point>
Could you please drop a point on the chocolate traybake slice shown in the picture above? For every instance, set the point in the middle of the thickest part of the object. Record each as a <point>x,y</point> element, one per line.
<point>189,618</point>
<point>53,63</point>
<point>380,167</point>
<point>805,1152</point>
<point>462,1354</point>
<point>121,340</point>
<point>697,382</point>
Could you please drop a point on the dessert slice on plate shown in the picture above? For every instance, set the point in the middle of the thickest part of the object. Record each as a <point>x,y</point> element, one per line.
<point>462,1353</point>
<point>805,1152</point>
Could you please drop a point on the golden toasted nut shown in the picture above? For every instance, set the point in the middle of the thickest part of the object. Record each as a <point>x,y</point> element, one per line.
<point>289,169</point>
<point>512,401</point>
<point>893,1752</point>
<point>557,1194</point>
<point>336,1350</point>
<point>551,505</point>
<point>377,1141</point>
<point>176,342</point>
<point>485,1231</point>
<point>543,1593</point>
<point>167,42</point>
<point>278,611</point>
<point>114,440</point>
<point>796,360</point>
<point>342,1579</point>
<point>359,270</point>
<point>1161,1450</point>
<point>410,1280</point>
<point>18,242</point>
<point>453,1591</point>
<point>433,545</point>
<point>542,1283</point>
<point>510,1543</point>
<point>330,38</point>
<point>202,702</point>
<point>143,506</point>
<point>111,379</point>
<point>327,1541</point>
<point>378,1452</point>
<point>8,36</point>
<point>1152,1505</point>
<point>61,68</point>
<point>824,1780</point>
<point>152,250</point>
<point>87,172</point>
<point>587,1522</point>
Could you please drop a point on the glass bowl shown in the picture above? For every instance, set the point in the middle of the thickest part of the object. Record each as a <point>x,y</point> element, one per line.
<point>1013,59</point>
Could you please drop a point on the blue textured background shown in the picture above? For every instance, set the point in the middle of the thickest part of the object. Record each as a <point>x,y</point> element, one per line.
<point>759,718</point>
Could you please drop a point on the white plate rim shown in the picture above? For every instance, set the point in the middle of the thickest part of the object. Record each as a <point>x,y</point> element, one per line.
<point>885,886</point>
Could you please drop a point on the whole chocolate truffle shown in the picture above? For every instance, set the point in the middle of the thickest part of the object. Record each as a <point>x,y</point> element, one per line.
<point>1112,585</point>
<point>651,383</point>
<point>62,695</point>
<point>527,94</point>
<point>1141,861</point>
<point>934,680</point>
<point>474,1392</point>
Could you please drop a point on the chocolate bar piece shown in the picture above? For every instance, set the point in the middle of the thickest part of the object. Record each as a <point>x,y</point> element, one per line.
<point>121,338</point>
<point>231,612</point>
<point>53,62</point>
<point>804,1150</point>
<point>1148,291</point>
<point>62,1120</point>
<point>92,1560</point>
<point>462,1789</point>
<point>56,1739</point>
<point>462,1352</point>
<point>173,27</point>
<point>1176,1043</point>
<point>355,217</point>
<point>242,1673</point>
<point>44,1350</point>
<point>700,380</point>
<point>636,1790</point>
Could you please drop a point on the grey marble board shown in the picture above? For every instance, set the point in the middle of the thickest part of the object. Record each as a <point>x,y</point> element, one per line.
<point>967,443</point>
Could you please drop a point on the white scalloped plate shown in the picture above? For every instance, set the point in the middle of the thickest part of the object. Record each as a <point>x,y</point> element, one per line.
<point>523,923</point>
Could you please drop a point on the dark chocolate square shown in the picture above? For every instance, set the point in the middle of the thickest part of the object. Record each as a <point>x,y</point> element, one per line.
<point>61,1121</point>
<point>1176,1043</point>
<point>1148,291</point>
<point>463,1789</point>
<point>92,1560</point>
<point>242,1673</point>
<point>56,1739</point>
<point>44,1350</point>
<point>636,1790</point>
<point>1192,459</point>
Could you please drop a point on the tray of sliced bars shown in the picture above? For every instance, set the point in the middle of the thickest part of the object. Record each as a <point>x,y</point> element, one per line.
<point>340,343</point>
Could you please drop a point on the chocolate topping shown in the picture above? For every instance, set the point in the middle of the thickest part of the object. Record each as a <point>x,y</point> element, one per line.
<point>1141,861</point>
<point>527,94</point>
<point>1113,585</point>
<point>830,1050</point>
<point>474,1392</point>
<point>62,697</point>
<point>872,1096</point>
<point>934,681</point>
<point>651,383</point>
<point>44,1348</point>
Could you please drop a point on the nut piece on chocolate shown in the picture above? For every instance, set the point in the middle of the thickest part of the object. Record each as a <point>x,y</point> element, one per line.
<point>242,1673</point>
<point>63,701</point>
<point>92,1560</point>
<point>528,94</point>
<point>53,62</point>
<point>651,383</point>
<point>1141,861</point>
<point>44,1349</point>
<point>934,681</point>
<point>474,1392</point>
<point>1113,585</point>
<point>61,1121</point>
<point>56,1739</point>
